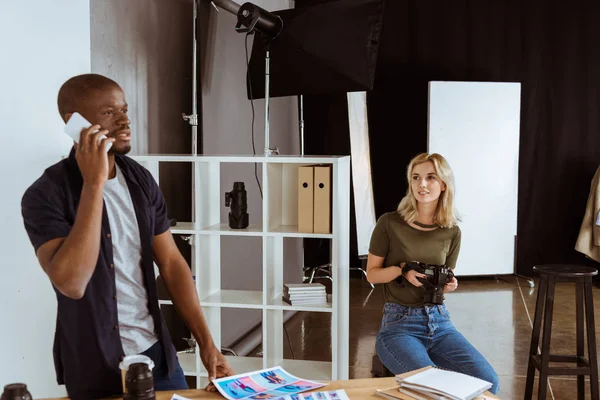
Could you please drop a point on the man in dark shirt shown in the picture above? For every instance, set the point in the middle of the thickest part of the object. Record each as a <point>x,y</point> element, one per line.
<point>98,223</point>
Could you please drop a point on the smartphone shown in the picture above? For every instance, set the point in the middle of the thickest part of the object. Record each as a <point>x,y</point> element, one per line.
<point>76,124</point>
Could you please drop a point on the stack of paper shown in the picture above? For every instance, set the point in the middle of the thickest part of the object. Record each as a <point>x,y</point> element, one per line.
<point>304,293</point>
<point>436,384</point>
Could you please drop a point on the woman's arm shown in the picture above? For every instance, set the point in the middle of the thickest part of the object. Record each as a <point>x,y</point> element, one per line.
<point>376,273</point>
<point>451,260</point>
<point>380,243</point>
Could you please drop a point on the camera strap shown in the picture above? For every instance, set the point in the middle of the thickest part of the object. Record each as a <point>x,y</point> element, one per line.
<point>426,283</point>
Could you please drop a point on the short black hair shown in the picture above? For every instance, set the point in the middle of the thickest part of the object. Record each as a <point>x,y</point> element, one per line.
<point>77,88</point>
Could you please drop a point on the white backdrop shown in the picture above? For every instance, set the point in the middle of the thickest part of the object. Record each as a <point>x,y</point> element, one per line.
<point>361,169</point>
<point>475,126</point>
<point>43,44</point>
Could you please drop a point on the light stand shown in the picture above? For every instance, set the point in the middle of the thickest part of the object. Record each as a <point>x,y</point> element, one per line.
<point>253,19</point>
<point>193,117</point>
<point>268,149</point>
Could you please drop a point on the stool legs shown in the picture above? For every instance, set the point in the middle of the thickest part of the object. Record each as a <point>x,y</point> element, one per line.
<point>544,307</point>
<point>580,348</point>
<point>546,335</point>
<point>535,335</point>
<point>591,338</point>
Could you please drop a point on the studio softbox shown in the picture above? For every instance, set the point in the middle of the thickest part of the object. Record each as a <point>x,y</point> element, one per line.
<point>326,48</point>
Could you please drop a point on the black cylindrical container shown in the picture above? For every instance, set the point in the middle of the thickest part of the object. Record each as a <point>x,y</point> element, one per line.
<point>15,391</point>
<point>139,382</point>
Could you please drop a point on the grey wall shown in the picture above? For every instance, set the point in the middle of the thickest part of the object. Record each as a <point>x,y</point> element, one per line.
<point>146,46</point>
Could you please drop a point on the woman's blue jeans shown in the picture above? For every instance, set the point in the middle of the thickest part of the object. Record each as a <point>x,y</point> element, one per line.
<point>415,337</point>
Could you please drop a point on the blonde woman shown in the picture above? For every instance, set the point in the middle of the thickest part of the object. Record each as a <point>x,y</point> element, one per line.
<point>424,229</point>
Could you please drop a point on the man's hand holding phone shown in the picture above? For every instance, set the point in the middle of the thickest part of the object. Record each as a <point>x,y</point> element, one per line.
<point>91,154</point>
<point>75,126</point>
<point>91,146</point>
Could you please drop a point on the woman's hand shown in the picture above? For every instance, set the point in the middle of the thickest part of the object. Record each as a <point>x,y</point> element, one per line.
<point>412,276</point>
<point>451,286</point>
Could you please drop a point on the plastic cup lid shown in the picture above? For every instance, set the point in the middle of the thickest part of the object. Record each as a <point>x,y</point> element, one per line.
<point>127,361</point>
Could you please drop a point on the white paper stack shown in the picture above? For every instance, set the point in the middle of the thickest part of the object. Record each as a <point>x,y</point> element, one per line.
<point>435,383</point>
<point>304,293</point>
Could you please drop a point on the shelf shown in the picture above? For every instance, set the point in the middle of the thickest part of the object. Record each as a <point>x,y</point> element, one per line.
<point>312,370</point>
<point>164,157</point>
<point>275,232</point>
<point>278,304</point>
<point>183,228</point>
<point>187,228</point>
<point>234,299</point>
<point>224,229</point>
<point>286,159</point>
<point>239,365</point>
<point>231,158</point>
<point>188,363</point>
<point>292,231</point>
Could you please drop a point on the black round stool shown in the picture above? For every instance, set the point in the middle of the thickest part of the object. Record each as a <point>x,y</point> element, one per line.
<point>582,277</point>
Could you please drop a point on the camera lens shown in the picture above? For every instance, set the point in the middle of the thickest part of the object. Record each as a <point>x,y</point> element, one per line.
<point>15,391</point>
<point>139,383</point>
<point>237,200</point>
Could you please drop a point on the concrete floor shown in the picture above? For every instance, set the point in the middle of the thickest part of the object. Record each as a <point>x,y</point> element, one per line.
<point>494,314</point>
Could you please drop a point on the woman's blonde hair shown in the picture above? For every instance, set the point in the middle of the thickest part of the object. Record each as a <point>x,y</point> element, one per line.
<point>445,214</point>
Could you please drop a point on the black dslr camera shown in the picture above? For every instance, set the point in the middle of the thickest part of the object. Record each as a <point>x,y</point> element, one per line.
<point>437,277</point>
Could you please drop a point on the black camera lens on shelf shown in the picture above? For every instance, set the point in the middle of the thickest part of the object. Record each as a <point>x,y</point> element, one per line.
<point>15,391</point>
<point>139,382</point>
<point>237,199</point>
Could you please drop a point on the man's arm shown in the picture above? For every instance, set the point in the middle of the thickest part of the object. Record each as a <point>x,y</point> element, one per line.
<point>70,261</point>
<point>177,276</point>
<point>179,282</point>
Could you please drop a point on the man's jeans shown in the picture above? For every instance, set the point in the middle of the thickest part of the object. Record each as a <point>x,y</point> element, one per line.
<point>162,380</point>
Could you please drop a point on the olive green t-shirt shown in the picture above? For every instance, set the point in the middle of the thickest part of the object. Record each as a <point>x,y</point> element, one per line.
<point>397,241</point>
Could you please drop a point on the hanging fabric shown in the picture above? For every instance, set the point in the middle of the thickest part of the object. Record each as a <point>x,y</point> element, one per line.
<point>588,241</point>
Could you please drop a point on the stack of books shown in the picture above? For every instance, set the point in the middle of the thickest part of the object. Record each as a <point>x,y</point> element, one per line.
<point>297,294</point>
<point>432,383</point>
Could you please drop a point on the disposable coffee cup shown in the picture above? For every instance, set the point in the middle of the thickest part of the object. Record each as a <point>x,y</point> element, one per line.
<point>127,361</point>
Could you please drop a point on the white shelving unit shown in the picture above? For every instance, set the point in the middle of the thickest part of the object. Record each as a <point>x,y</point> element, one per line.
<point>280,220</point>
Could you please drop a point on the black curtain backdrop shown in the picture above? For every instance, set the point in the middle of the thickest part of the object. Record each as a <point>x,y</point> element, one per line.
<point>551,47</point>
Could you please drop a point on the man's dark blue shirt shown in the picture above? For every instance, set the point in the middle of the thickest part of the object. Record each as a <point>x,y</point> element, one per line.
<point>87,342</point>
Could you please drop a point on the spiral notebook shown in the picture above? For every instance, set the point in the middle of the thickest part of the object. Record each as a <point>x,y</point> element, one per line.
<point>436,383</point>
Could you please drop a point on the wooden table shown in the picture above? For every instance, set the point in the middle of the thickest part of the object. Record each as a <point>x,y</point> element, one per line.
<point>355,388</point>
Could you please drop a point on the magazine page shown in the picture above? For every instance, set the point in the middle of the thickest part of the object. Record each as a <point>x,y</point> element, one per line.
<point>330,395</point>
<point>270,383</point>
